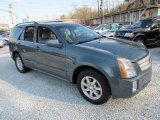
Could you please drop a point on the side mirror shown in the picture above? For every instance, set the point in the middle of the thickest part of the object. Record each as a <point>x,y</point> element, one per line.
<point>54,43</point>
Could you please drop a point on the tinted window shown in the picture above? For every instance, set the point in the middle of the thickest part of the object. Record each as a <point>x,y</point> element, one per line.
<point>143,23</point>
<point>29,34</point>
<point>45,34</point>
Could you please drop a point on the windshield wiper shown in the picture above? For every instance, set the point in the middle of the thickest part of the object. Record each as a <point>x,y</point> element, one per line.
<point>80,42</point>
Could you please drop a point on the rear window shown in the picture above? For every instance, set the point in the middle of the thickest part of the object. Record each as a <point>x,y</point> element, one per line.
<point>15,32</point>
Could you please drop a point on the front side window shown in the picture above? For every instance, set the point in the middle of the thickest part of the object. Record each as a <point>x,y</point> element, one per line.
<point>77,34</point>
<point>45,34</point>
<point>29,34</point>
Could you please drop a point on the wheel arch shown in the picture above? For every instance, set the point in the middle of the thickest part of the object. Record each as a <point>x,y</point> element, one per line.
<point>83,67</point>
<point>140,36</point>
<point>14,53</point>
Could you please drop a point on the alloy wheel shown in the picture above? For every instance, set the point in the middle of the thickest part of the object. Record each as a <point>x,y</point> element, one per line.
<point>19,63</point>
<point>91,88</point>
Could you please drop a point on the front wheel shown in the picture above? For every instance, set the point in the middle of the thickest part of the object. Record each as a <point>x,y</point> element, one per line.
<point>93,86</point>
<point>140,40</point>
<point>20,65</point>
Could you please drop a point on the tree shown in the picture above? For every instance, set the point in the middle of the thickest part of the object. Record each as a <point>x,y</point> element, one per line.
<point>84,12</point>
<point>63,16</point>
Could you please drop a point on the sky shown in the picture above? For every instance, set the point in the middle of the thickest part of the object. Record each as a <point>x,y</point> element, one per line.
<point>44,9</point>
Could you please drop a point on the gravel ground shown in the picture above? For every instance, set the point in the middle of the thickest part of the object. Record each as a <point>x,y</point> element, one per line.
<point>38,96</point>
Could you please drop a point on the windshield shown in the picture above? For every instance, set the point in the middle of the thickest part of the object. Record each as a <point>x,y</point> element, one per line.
<point>142,24</point>
<point>75,34</point>
<point>99,27</point>
<point>114,27</point>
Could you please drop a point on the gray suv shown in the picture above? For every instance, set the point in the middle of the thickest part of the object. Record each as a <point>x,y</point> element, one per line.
<point>101,67</point>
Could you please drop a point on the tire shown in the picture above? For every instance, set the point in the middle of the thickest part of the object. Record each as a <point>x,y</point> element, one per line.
<point>96,93</point>
<point>140,40</point>
<point>20,65</point>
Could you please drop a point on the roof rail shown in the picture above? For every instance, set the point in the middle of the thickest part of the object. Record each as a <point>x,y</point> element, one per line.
<point>33,22</point>
<point>51,21</point>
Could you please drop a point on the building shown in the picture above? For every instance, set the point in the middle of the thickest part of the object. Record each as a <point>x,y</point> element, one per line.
<point>130,15</point>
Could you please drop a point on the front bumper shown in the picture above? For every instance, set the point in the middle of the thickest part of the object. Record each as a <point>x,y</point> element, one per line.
<point>125,86</point>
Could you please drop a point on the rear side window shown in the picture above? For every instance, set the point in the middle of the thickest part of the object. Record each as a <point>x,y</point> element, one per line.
<point>15,32</point>
<point>22,35</point>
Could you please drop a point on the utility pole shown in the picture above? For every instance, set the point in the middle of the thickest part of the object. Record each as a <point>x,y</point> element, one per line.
<point>107,6</point>
<point>101,11</point>
<point>10,12</point>
<point>98,7</point>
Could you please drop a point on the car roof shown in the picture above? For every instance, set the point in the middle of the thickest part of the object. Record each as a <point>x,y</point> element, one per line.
<point>53,24</point>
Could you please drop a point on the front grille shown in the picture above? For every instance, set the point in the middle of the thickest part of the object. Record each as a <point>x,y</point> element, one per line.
<point>145,63</point>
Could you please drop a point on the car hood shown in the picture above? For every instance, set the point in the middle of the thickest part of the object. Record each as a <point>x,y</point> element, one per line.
<point>119,48</point>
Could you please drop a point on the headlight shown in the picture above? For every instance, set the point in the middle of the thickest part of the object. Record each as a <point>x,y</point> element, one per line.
<point>126,68</point>
<point>130,35</point>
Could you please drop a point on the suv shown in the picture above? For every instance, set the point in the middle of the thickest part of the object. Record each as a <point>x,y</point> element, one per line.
<point>100,67</point>
<point>145,31</point>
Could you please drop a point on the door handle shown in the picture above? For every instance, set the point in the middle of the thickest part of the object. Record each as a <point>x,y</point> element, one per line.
<point>19,43</point>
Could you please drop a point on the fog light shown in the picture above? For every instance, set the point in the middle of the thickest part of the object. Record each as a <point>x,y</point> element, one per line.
<point>135,86</point>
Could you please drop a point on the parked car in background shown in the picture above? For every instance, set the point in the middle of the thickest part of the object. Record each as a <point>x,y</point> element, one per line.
<point>90,27</point>
<point>108,30</point>
<point>1,44</point>
<point>145,31</point>
<point>124,27</point>
<point>4,35</point>
<point>4,39</point>
<point>100,28</point>
<point>101,67</point>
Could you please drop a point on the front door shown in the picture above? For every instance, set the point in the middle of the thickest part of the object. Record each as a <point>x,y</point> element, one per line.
<point>50,59</point>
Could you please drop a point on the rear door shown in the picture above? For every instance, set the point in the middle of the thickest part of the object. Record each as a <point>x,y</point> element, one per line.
<point>50,59</point>
<point>27,46</point>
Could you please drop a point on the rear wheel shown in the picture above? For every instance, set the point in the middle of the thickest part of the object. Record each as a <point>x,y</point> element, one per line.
<point>93,86</point>
<point>20,65</point>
